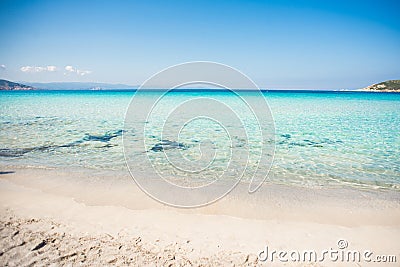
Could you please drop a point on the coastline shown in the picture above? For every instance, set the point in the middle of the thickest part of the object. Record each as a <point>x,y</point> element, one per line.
<point>70,215</point>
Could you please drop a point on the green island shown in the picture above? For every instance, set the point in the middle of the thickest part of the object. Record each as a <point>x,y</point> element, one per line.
<point>387,86</point>
<point>7,85</point>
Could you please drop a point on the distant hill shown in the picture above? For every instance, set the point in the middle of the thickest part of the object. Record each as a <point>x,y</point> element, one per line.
<point>79,86</point>
<point>7,85</point>
<point>387,86</point>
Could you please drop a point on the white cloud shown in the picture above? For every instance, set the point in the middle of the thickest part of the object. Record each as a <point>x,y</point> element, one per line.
<point>83,72</point>
<point>51,68</point>
<point>38,69</point>
<point>2,67</point>
<point>26,69</point>
<point>70,69</point>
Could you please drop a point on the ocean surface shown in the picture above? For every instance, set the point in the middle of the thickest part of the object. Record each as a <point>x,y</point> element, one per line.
<point>321,138</point>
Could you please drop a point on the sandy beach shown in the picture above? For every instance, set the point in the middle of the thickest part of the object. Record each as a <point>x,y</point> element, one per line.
<point>56,217</point>
<point>199,133</point>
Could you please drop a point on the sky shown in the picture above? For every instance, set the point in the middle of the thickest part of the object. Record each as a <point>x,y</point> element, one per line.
<point>310,44</point>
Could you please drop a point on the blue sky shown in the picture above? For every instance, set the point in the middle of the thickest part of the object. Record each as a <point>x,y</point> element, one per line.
<point>279,44</point>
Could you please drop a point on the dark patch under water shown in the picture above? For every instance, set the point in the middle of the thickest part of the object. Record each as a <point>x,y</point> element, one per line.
<point>166,145</point>
<point>6,172</point>
<point>103,138</point>
<point>18,152</point>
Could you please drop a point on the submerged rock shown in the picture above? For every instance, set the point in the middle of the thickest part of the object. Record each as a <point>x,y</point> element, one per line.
<point>103,138</point>
<point>166,145</point>
<point>18,152</point>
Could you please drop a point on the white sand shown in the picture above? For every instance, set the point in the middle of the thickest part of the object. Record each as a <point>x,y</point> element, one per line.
<point>50,217</point>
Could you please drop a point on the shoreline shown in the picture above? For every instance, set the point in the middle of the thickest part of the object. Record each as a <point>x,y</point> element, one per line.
<point>236,228</point>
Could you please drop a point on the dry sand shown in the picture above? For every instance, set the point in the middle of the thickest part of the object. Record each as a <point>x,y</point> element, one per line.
<point>76,218</point>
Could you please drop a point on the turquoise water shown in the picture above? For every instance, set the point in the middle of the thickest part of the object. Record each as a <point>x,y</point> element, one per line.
<point>321,138</point>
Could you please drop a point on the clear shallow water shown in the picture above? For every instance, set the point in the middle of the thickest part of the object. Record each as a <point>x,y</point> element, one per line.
<point>322,138</point>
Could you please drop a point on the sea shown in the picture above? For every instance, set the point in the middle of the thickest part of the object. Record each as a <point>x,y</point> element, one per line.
<point>315,138</point>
